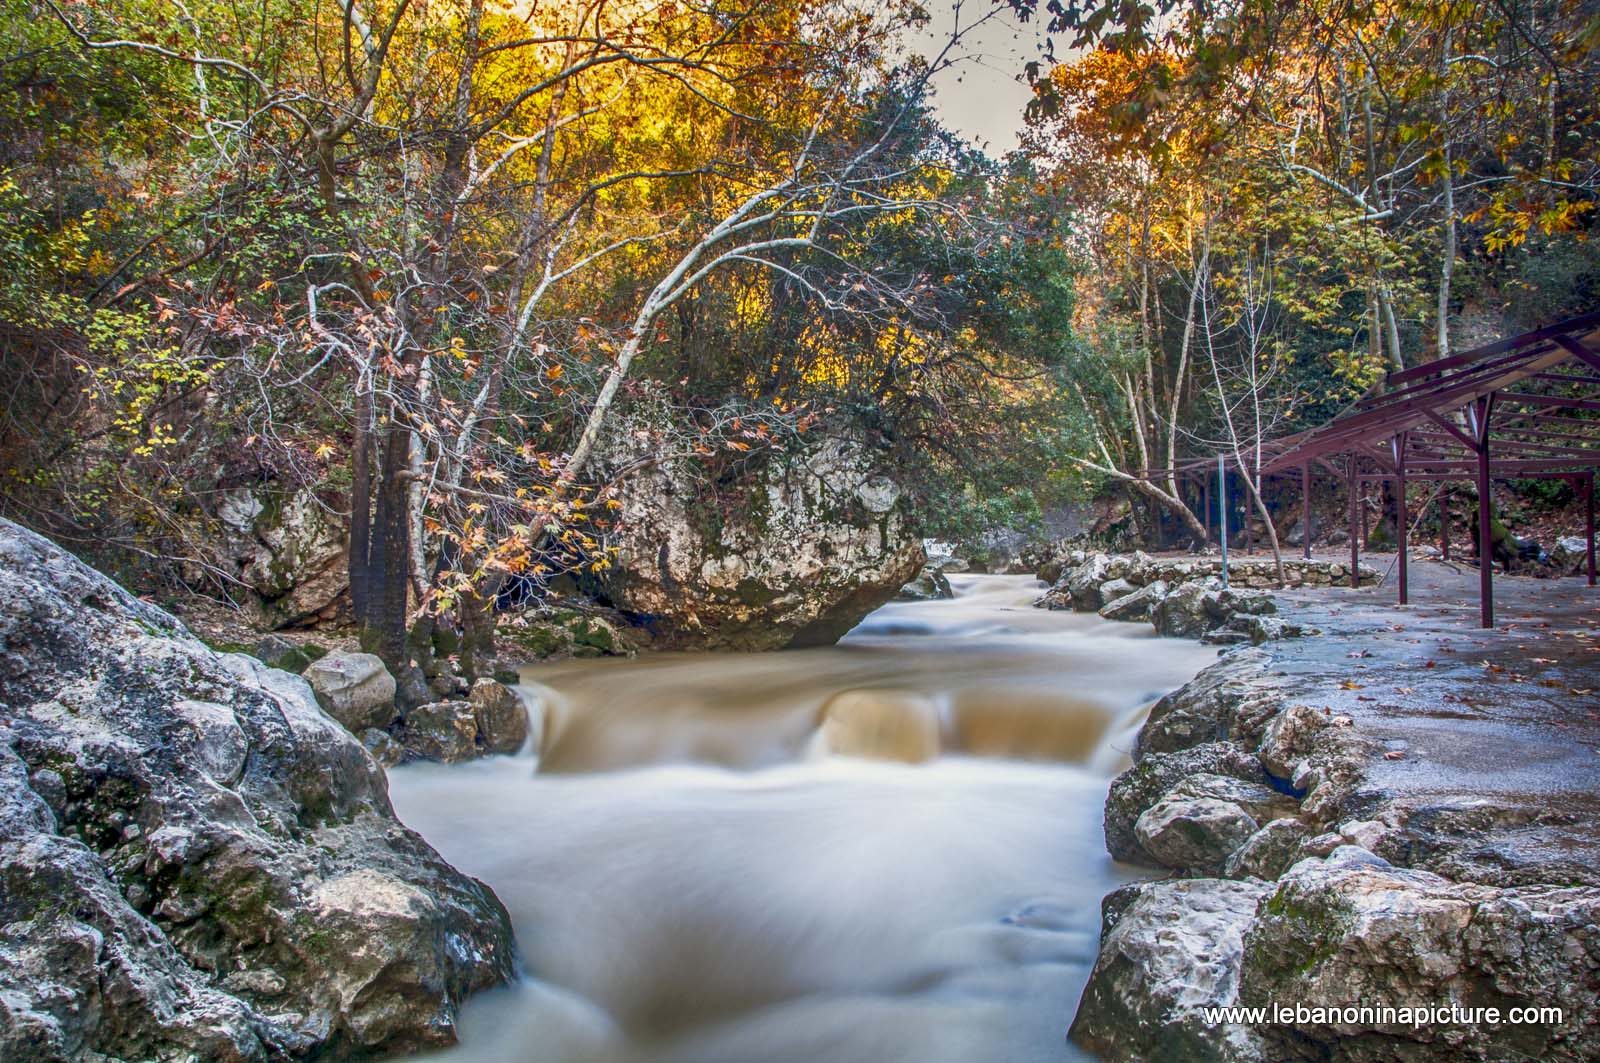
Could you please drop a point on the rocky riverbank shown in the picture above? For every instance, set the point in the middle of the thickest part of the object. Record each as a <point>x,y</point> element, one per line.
<point>1399,813</point>
<point>196,862</point>
<point>1186,597</point>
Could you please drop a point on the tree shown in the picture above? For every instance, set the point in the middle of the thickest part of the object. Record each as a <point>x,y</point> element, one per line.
<point>449,233</point>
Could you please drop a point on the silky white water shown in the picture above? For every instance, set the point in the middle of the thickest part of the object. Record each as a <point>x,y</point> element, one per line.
<point>888,850</point>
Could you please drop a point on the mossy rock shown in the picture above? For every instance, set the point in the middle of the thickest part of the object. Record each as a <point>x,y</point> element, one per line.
<point>568,632</point>
<point>279,652</point>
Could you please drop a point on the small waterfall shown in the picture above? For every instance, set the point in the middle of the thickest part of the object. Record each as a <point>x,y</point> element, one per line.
<point>886,850</point>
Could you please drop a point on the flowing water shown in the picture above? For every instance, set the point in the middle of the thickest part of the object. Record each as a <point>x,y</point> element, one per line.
<point>887,850</point>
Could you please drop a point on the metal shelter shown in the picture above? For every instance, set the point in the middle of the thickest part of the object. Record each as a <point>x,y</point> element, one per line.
<point>1524,407</point>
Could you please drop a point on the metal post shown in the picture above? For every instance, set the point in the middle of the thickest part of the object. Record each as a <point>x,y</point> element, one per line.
<point>1222,515</point>
<point>1355,544</point>
<point>1481,409</point>
<point>1305,507</point>
<point>1399,446</point>
<point>1444,521</point>
<point>1589,507</point>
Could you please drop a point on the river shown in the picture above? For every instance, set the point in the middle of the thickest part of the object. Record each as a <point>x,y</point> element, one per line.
<point>887,850</point>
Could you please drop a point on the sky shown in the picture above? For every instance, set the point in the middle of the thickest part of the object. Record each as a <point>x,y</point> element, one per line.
<point>981,96</point>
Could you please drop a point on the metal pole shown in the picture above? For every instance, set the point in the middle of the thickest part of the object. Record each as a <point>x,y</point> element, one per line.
<point>1355,544</point>
<point>1222,515</point>
<point>1305,507</point>
<point>1399,445</point>
<point>1481,410</point>
<point>1589,507</point>
<point>1444,521</point>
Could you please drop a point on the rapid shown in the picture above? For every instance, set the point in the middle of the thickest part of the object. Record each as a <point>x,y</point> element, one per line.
<point>886,850</point>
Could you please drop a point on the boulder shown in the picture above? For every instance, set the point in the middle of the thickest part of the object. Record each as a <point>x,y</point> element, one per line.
<point>1330,937</point>
<point>1288,739</point>
<point>1195,834</point>
<point>559,632</point>
<point>288,547</point>
<point>279,652</point>
<point>1137,605</point>
<point>931,584</point>
<point>196,862</point>
<point>1112,589</point>
<point>1269,852</point>
<point>1261,802</point>
<point>1222,701</point>
<point>445,731</point>
<point>355,689</point>
<point>1084,583</point>
<point>1352,929</point>
<point>1141,786</point>
<point>1184,612</point>
<point>793,552</point>
<point>1256,629</point>
<point>384,749</point>
<point>501,717</point>
<point>1167,950</point>
<point>1569,556</point>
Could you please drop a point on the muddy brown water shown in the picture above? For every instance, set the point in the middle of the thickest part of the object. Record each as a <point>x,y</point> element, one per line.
<point>887,850</point>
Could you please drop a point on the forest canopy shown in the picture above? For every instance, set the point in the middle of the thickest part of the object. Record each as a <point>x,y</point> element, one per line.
<point>423,256</point>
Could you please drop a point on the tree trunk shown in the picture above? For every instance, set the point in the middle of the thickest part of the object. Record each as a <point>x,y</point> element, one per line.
<point>1254,490</point>
<point>1448,252</point>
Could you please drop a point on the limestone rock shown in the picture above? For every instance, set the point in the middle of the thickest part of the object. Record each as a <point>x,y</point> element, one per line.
<point>1167,950</point>
<point>502,718</point>
<point>1084,584</point>
<point>384,749</point>
<point>1195,834</point>
<point>1262,802</point>
<point>279,652</point>
<point>931,584</point>
<point>1184,613</point>
<point>445,731</point>
<point>354,688</point>
<point>1141,786</point>
<point>559,632</point>
<point>1115,588</point>
<point>1223,700</point>
<point>794,554</point>
<point>1289,738</point>
<point>1569,556</point>
<point>1269,852</point>
<point>198,863</point>
<point>1136,605</point>
<point>1353,929</point>
<point>288,546</point>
